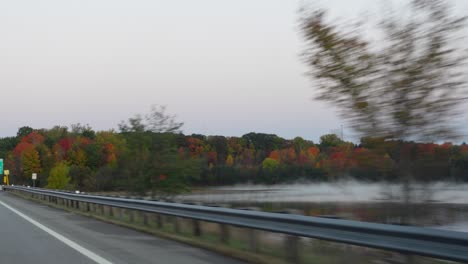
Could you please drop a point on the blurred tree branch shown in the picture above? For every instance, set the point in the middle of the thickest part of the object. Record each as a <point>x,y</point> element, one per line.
<point>157,121</point>
<point>407,85</point>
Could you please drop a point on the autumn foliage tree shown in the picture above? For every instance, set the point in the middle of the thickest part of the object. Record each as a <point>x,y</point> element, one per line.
<point>31,163</point>
<point>162,164</point>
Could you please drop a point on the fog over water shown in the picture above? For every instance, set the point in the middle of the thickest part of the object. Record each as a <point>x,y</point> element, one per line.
<point>344,191</point>
<point>439,205</point>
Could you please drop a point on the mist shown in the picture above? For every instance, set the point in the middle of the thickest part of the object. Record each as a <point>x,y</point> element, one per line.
<point>348,191</point>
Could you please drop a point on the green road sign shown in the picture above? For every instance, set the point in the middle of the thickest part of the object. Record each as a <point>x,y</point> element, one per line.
<point>1,166</point>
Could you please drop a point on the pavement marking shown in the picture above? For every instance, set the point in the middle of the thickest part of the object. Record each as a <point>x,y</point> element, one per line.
<point>93,256</point>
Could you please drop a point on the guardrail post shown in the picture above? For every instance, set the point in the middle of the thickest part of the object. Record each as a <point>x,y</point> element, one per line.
<point>145,218</point>
<point>120,213</point>
<point>131,216</point>
<point>159,221</point>
<point>292,248</point>
<point>111,211</point>
<point>103,210</point>
<point>253,242</point>
<point>87,207</point>
<point>115,211</point>
<point>138,216</point>
<point>196,227</point>
<point>176,224</point>
<point>224,233</point>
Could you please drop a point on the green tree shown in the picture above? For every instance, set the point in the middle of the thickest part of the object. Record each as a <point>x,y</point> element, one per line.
<point>93,154</point>
<point>82,178</point>
<point>59,177</point>
<point>83,130</point>
<point>171,175</point>
<point>54,134</point>
<point>219,144</point>
<point>23,131</point>
<point>330,140</point>
<point>264,142</point>
<point>7,144</point>
<point>299,144</point>
<point>270,164</point>
<point>46,157</point>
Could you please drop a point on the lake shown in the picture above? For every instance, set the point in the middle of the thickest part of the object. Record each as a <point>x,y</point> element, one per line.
<point>440,205</point>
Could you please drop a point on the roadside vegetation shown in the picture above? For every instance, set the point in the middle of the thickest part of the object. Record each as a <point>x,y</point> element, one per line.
<point>142,158</point>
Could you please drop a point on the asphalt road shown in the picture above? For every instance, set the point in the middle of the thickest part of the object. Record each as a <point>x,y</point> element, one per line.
<point>35,233</point>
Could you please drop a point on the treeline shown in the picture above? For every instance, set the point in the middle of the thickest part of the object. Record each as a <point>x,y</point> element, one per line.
<point>140,160</point>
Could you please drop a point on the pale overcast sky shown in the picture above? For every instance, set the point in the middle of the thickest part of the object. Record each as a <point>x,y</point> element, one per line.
<point>225,67</point>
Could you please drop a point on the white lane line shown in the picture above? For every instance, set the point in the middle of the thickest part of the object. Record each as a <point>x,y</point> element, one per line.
<point>93,256</point>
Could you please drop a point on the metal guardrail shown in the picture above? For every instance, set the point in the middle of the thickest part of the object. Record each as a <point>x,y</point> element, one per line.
<point>441,244</point>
